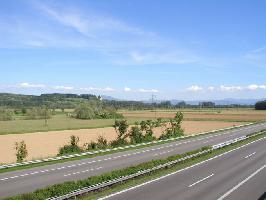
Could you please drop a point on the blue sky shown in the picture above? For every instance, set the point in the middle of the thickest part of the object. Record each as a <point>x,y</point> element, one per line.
<point>131,49</point>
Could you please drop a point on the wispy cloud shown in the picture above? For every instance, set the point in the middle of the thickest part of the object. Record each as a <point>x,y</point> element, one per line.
<point>148,90</point>
<point>96,89</point>
<point>228,88</point>
<point>211,88</point>
<point>255,87</point>
<point>141,90</point>
<point>257,56</point>
<point>58,25</point>
<point>172,57</point>
<point>194,88</point>
<point>127,89</point>
<point>62,87</point>
<point>30,85</point>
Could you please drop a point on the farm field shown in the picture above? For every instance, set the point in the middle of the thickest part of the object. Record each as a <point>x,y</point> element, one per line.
<point>45,144</point>
<point>57,122</point>
<point>62,122</point>
<point>243,115</point>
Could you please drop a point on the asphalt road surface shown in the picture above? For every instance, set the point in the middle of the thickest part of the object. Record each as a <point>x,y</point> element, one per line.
<point>238,175</point>
<point>23,181</point>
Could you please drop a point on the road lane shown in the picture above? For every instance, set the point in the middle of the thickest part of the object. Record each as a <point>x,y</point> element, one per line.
<point>214,179</point>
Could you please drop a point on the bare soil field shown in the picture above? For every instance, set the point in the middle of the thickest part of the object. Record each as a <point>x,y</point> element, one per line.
<point>45,144</point>
<point>231,116</point>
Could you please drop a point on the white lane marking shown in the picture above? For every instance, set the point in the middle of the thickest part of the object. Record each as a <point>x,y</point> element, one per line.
<point>199,181</point>
<point>241,183</point>
<point>164,152</point>
<point>179,171</point>
<point>85,171</point>
<point>205,142</point>
<point>250,155</point>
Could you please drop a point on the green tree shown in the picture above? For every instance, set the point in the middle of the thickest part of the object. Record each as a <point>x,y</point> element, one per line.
<point>84,112</point>
<point>121,127</point>
<point>135,135</point>
<point>21,151</point>
<point>175,129</point>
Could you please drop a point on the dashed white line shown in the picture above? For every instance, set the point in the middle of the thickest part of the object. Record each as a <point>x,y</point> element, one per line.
<point>248,156</point>
<point>200,180</point>
<point>85,171</point>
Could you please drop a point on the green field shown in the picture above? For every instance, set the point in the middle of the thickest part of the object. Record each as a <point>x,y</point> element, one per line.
<point>57,122</point>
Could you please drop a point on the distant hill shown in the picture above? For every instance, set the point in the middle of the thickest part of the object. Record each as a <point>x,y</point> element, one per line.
<point>57,100</point>
<point>54,100</point>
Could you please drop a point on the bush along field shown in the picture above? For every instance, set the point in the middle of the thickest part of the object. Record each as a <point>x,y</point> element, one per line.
<point>138,133</point>
<point>184,160</point>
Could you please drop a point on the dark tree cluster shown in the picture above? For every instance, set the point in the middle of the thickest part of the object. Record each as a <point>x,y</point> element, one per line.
<point>260,105</point>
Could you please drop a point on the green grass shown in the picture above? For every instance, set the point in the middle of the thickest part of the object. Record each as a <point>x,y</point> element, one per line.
<point>56,123</point>
<point>159,173</point>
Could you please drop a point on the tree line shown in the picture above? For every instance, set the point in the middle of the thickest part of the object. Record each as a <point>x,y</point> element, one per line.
<point>260,105</point>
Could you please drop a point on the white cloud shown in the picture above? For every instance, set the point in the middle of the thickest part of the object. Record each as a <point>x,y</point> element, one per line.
<point>172,57</point>
<point>230,88</point>
<point>194,88</point>
<point>29,85</point>
<point>211,88</point>
<point>61,87</point>
<point>95,89</point>
<point>148,90</point>
<point>255,87</point>
<point>127,89</point>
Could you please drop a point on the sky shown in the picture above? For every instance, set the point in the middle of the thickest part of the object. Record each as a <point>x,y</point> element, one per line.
<point>174,49</point>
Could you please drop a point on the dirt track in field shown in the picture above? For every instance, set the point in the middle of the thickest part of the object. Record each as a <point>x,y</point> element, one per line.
<point>45,144</point>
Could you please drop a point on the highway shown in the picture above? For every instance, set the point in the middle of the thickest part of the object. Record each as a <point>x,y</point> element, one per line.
<point>28,180</point>
<point>238,175</point>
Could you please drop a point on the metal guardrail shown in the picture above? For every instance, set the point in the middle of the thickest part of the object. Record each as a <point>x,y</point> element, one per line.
<point>86,190</point>
<point>112,149</point>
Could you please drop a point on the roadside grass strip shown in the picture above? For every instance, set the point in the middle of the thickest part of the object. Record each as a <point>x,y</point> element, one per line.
<point>60,159</point>
<point>112,181</point>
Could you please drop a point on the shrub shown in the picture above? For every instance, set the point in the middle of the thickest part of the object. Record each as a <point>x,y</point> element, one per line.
<point>102,142</point>
<point>91,146</point>
<point>6,115</point>
<point>72,147</point>
<point>21,151</point>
